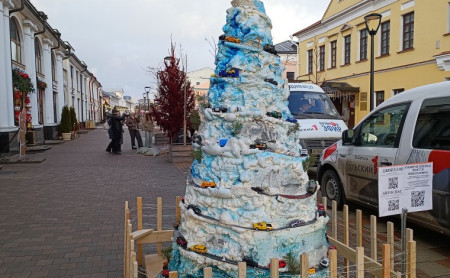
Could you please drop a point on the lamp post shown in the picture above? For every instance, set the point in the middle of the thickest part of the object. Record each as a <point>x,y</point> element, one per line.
<point>147,90</point>
<point>372,21</point>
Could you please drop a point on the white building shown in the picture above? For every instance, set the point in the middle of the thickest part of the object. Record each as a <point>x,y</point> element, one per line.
<point>30,45</point>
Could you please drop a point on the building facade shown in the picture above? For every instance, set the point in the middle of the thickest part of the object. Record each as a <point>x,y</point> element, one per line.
<point>287,51</point>
<point>411,48</point>
<point>31,48</point>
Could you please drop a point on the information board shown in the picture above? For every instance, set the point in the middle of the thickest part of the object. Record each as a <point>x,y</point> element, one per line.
<point>407,186</point>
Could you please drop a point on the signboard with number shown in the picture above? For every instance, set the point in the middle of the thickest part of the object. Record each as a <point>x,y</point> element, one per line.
<point>407,186</point>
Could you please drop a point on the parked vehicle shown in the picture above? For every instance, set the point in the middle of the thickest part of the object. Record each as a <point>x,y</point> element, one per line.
<point>262,226</point>
<point>296,223</point>
<point>412,127</point>
<point>320,123</point>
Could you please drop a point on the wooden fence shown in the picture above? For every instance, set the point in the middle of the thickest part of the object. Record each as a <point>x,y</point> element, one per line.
<point>374,264</point>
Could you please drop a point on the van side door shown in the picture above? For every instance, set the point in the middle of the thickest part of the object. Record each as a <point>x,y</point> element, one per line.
<point>376,145</point>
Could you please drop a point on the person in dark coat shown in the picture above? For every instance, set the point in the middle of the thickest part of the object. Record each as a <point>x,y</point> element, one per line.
<point>116,130</point>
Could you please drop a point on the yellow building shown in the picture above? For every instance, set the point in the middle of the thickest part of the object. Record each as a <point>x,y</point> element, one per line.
<point>411,48</point>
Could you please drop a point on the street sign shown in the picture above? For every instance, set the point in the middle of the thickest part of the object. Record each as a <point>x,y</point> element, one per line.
<point>405,187</point>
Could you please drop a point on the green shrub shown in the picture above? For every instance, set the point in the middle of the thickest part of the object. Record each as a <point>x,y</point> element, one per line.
<point>73,118</point>
<point>166,253</point>
<point>292,264</point>
<point>236,128</point>
<point>198,154</point>
<point>195,119</point>
<point>66,124</point>
<point>309,162</point>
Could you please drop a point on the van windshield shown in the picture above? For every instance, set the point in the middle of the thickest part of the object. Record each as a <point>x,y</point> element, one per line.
<point>312,105</point>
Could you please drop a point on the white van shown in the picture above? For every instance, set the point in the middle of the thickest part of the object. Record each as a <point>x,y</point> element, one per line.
<point>412,127</point>
<point>320,123</point>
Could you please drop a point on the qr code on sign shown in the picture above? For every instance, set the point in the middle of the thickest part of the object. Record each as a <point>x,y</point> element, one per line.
<point>393,183</point>
<point>393,205</point>
<point>418,198</point>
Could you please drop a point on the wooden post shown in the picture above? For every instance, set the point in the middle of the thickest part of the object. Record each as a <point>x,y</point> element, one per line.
<point>242,270</point>
<point>386,260</point>
<point>274,272</point>
<point>359,228</point>
<point>304,264</point>
<point>139,227</point>
<point>390,240</point>
<point>159,222</point>
<point>177,210</point>
<point>411,266</point>
<point>173,274</point>
<point>207,272</point>
<point>346,239</point>
<point>125,241</point>
<point>324,203</point>
<point>373,237</point>
<point>335,219</point>
<point>359,262</point>
<point>333,263</point>
<point>134,272</point>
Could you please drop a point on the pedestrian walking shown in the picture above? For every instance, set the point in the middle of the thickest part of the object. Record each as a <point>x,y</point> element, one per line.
<point>133,127</point>
<point>116,130</point>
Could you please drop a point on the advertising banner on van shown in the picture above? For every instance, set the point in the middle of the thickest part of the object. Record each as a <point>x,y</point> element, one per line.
<point>407,186</point>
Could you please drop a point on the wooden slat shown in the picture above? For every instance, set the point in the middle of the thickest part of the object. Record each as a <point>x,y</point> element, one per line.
<point>207,272</point>
<point>304,265</point>
<point>159,222</point>
<point>373,237</point>
<point>390,241</point>
<point>386,260</point>
<point>153,265</point>
<point>242,270</point>
<point>156,237</point>
<point>335,219</point>
<point>274,272</point>
<point>139,227</point>
<point>333,263</point>
<point>346,238</point>
<point>173,274</point>
<point>411,267</point>
<point>141,233</point>
<point>359,262</point>
<point>371,266</point>
<point>359,228</point>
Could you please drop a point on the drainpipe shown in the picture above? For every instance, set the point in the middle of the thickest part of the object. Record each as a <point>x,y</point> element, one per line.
<point>43,18</point>
<point>58,35</point>
<point>22,6</point>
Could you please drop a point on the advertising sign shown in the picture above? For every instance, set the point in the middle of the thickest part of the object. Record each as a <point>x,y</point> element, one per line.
<point>407,186</point>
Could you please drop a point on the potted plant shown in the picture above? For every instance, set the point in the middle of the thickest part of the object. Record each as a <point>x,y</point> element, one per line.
<point>66,124</point>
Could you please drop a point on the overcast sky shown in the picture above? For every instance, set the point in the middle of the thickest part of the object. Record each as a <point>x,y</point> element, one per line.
<point>119,40</point>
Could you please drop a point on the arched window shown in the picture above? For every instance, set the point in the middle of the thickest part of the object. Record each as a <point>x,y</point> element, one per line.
<point>38,57</point>
<point>16,52</point>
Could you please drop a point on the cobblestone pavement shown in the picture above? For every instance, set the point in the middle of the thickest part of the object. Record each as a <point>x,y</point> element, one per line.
<point>64,217</point>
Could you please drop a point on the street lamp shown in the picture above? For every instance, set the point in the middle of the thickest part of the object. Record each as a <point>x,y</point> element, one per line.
<point>372,21</point>
<point>147,90</point>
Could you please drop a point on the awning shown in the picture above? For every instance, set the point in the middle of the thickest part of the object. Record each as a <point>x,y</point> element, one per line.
<point>339,90</point>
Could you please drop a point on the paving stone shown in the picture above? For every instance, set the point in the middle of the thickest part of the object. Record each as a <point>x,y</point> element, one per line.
<point>63,217</point>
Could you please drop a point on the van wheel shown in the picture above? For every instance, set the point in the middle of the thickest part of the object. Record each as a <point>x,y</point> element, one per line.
<point>332,188</point>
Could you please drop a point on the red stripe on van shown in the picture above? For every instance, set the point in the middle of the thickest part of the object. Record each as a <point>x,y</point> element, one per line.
<point>440,159</point>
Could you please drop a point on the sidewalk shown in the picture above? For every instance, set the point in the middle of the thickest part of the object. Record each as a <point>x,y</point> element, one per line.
<point>64,217</point>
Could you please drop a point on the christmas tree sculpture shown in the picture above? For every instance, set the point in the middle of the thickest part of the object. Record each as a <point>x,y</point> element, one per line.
<point>248,197</point>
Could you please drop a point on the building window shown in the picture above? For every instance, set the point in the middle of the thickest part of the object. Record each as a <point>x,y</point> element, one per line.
<point>333,54</point>
<point>290,75</point>
<point>53,68</point>
<point>379,97</point>
<point>197,83</point>
<point>322,58</point>
<point>38,56</point>
<point>398,91</point>
<point>408,31</point>
<point>16,50</point>
<point>363,45</point>
<point>347,48</point>
<point>385,37</point>
<point>310,61</point>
